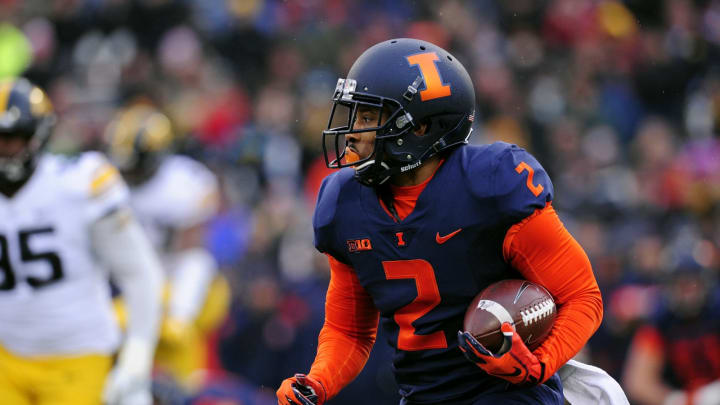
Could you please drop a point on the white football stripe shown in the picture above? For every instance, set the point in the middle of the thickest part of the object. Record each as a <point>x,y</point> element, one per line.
<point>496,310</point>
<point>538,311</point>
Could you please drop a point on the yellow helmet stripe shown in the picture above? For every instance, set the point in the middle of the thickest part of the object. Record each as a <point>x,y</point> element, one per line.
<point>39,103</point>
<point>5,88</point>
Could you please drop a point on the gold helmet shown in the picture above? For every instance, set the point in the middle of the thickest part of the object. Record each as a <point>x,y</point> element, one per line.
<point>26,113</point>
<point>137,139</point>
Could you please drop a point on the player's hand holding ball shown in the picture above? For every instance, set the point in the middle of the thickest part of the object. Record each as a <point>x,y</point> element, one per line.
<point>518,365</point>
<point>490,339</point>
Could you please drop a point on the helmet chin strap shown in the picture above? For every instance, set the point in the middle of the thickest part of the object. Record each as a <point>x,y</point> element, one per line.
<point>14,173</point>
<point>18,168</point>
<point>14,169</point>
<point>373,173</point>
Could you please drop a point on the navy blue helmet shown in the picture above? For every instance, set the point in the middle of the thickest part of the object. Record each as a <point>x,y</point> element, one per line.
<point>411,83</point>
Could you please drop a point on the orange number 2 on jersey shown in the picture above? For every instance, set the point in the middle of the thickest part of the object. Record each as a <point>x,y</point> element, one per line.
<point>434,88</point>
<point>428,297</point>
<point>533,188</point>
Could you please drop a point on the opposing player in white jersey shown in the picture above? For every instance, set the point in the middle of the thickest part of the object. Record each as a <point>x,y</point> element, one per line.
<point>173,196</point>
<point>62,222</point>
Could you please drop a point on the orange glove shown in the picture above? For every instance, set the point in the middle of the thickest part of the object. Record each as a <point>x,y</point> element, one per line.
<point>517,365</point>
<point>301,390</point>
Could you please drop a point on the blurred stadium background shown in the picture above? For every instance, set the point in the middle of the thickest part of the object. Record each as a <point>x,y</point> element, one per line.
<point>619,100</point>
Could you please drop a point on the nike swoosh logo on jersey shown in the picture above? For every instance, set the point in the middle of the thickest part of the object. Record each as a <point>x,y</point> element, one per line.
<point>442,239</point>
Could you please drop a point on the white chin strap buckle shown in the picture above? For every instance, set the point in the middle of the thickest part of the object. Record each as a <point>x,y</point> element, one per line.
<point>372,180</point>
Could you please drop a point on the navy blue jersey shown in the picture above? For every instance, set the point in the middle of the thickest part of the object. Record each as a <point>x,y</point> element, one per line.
<point>423,272</point>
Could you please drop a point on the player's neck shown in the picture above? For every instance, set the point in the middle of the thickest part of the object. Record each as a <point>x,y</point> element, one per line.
<point>9,189</point>
<point>417,176</point>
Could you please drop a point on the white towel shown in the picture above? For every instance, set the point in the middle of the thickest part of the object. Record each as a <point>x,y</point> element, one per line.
<point>586,384</point>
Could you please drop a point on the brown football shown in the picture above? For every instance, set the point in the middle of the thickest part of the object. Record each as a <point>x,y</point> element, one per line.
<point>529,306</point>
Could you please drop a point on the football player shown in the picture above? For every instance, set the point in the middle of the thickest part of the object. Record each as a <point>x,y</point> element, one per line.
<point>173,196</point>
<point>674,359</point>
<point>415,223</point>
<point>62,221</point>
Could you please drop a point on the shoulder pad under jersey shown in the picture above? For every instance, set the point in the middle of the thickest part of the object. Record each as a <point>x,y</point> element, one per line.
<point>191,190</point>
<point>97,182</point>
<point>509,175</point>
<point>326,207</point>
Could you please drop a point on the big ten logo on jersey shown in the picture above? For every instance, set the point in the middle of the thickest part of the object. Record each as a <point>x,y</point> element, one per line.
<point>359,245</point>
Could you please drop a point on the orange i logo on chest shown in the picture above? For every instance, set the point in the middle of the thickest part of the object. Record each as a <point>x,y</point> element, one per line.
<point>400,240</point>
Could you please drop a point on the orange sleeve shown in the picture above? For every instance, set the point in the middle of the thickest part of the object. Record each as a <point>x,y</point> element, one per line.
<point>544,252</point>
<point>648,339</point>
<point>348,335</point>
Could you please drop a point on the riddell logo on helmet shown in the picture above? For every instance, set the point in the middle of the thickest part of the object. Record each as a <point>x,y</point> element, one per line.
<point>359,245</point>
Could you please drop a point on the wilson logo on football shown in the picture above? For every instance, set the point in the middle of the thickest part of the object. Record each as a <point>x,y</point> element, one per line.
<point>359,245</point>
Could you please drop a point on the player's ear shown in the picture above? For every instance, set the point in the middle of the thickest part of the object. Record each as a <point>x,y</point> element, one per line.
<point>421,129</point>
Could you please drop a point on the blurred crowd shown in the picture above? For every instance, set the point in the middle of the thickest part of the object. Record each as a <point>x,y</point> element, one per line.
<point>619,100</point>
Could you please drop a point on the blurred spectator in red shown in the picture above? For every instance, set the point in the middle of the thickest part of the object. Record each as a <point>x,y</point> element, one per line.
<point>675,359</point>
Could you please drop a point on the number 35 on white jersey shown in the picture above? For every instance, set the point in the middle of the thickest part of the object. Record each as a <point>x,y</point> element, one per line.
<point>54,297</point>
